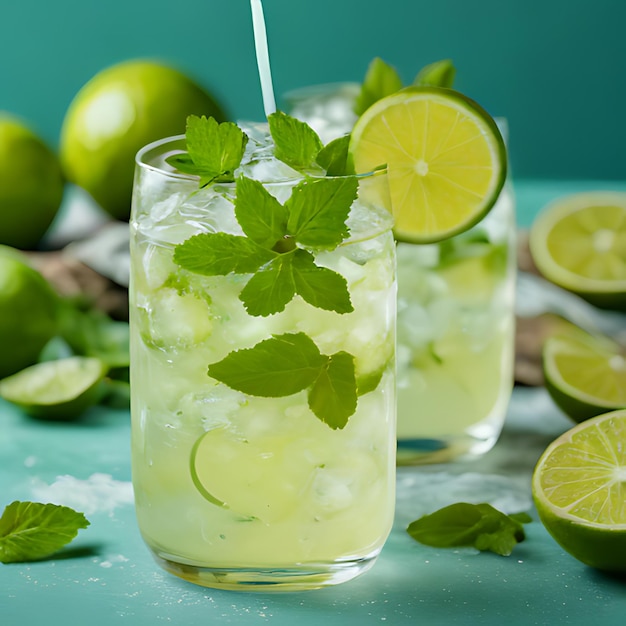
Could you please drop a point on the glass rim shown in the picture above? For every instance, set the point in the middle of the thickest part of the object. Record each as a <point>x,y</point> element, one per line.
<point>141,161</point>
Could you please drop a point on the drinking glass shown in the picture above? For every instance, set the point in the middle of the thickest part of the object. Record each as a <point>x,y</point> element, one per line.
<point>456,320</point>
<point>239,491</point>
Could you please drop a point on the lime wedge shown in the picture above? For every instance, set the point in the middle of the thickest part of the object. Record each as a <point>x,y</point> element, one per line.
<point>445,157</point>
<point>579,489</point>
<point>61,389</point>
<point>585,375</point>
<point>579,243</point>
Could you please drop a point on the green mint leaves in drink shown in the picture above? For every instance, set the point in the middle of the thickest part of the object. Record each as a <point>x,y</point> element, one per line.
<point>278,251</point>
<point>290,363</point>
<point>214,150</point>
<point>381,79</point>
<point>470,525</point>
<point>437,74</point>
<point>314,216</point>
<point>31,531</point>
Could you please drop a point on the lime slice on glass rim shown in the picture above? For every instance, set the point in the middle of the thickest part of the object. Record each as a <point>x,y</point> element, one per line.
<point>445,157</point>
<point>585,375</point>
<point>579,489</point>
<point>579,243</point>
<point>60,389</point>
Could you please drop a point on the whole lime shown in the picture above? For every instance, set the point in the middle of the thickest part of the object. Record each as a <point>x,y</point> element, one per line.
<point>31,184</point>
<point>28,312</point>
<point>120,110</point>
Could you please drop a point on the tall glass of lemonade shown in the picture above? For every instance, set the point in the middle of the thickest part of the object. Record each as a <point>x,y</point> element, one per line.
<point>263,307</point>
<point>456,331</point>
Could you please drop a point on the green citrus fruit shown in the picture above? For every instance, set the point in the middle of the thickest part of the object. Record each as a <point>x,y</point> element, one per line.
<point>579,489</point>
<point>120,110</point>
<point>31,184</point>
<point>579,243</point>
<point>28,312</point>
<point>61,389</point>
<point>585,375</point>
<point>445,157</point>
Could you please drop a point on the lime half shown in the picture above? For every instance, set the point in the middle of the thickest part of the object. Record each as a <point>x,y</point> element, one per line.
<point>585,375</point>
<point>579,489</point>
<point>445,157</point>
<point>60,389</point>
<point>579,243</point>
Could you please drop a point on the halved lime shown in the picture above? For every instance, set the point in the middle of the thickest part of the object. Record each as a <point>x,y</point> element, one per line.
<point>445,157</point>
<point>579,489</point>
<point>585,375</point>
<point>61,389</point>
<point>579,243</point>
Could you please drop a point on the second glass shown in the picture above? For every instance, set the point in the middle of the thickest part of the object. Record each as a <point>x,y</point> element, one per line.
<point>456,327</point>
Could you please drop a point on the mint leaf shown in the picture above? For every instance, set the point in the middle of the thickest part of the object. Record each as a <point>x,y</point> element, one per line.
<point>218,254</point>
<point>296,143</point>
<point>214,150</point>
<point>333,157</point>
<point>271,287</point>
<point>320,286</point>
<point>479,525</point>
<point>333,397</point>
<point>289,363</point>
<point>276,367</point>
<point>31,531</point>
<point>380,80</point>
<point>438,74</point>
<point>318,211</point>
<point>261,216</point>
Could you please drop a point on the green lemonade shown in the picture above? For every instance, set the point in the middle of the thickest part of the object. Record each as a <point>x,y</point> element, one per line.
<point>271,487</point>
<point>456,334</point>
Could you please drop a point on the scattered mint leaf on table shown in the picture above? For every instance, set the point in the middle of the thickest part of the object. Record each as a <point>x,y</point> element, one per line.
<point>479,525</point>
<point>31,531</point>
<point>214,150</point>
<point>289,363</point>
<point>381,80</point>
<point>296,143</point>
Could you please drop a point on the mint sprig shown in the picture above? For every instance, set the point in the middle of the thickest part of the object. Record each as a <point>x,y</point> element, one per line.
<point>381,80</point>
<point>477,525</point>
<point>314,216</point>
<point>31,531</point>
<point>296,143</point>
<point>214,150</point>
<point>287,364</point>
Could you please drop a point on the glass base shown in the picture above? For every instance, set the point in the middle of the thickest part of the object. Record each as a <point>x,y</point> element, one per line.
<point>427,451</point>
<point>267,579</point>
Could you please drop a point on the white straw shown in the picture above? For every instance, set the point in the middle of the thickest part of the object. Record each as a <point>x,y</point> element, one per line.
<point>262,56</point>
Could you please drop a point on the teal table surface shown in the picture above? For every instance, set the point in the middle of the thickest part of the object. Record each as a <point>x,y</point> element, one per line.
<point>106,575</point>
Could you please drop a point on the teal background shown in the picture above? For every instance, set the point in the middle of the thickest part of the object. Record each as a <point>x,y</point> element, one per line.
<point>554,68</point>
